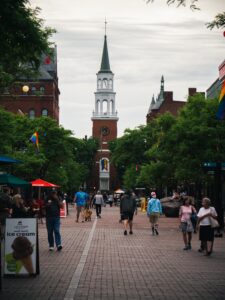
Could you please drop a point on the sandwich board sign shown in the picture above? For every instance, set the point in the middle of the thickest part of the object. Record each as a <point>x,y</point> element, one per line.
<point>21,247</point>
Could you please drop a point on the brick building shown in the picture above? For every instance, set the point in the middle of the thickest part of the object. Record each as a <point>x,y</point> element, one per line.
<point>104,126</point>
<point>214,90</point>
<point>37,96</point>
<point>165,103</point>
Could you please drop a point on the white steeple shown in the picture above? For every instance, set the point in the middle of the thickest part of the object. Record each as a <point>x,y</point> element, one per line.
<point>105,95</point>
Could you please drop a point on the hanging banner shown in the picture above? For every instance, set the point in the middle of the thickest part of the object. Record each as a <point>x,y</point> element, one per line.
<point>63,211</point>
<point>21,247</point>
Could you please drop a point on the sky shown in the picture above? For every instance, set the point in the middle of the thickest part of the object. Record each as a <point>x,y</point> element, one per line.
<point>145,41</point>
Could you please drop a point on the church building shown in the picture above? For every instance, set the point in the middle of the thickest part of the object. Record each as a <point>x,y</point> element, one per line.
<point>104,122</point>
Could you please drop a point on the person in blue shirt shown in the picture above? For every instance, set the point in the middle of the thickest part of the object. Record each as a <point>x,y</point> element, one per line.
<point>80,200</point>
<point>154,210</point>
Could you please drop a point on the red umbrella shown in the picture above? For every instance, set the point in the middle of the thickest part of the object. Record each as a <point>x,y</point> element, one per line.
<point>42,183</point>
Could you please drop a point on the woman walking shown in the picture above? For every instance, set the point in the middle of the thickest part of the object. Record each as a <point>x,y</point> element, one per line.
<point>206,231</point>
<point>186,210</point>
<point>127,209</point>
<point>154,210</point>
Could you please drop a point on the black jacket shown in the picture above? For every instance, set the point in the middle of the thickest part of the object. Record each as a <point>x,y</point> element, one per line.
<point>127,204</point>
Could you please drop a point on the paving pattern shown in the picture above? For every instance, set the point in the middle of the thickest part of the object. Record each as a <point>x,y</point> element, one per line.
<point>99,262</point>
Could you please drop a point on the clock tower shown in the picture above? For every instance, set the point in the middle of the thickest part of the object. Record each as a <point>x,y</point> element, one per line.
<point>104,128</point>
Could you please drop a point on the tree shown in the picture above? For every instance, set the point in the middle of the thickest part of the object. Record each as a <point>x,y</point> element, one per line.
<point>23,39</point>
<point>62,158</point>
<point>218,22</point>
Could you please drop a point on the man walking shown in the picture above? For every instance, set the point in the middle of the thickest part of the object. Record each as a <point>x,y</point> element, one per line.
<point>53,205</point>
<point>127,209</point>
<point>98,200</point>
<point>153,211</point>
<point>80,200</point>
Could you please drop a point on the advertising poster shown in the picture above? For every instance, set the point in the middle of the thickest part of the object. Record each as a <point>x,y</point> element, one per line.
<point>20,246</point>
<point>63,211</point>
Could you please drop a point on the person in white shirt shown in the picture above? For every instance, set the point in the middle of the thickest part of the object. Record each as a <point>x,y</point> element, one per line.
<point>206,232</point>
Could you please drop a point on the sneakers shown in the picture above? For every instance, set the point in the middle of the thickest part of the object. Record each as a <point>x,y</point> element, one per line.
<point>125,232</point>
<point>59,248</point>
<point>51,248</point>
<point>186,248</point>
<point>131,232</point>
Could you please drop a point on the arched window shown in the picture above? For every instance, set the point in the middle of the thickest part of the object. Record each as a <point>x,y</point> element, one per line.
<point>42,89</point>
<point>110,84</point>
<point>104,107</point>
<point>32,114</point>
<point>44,112</point>
<point>33,89</point>
<point>105,83</point>
<point>99,84</point>
<point>98,106</point>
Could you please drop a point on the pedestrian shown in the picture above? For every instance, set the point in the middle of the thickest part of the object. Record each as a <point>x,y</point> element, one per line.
<point>186,211</point>
<point>110,200</point>
<point>98,200</point>
<point>80,200</point>
<point>105,199</point>
<point>127,209</point>
<point>206,231</point>
<point>18,208</point>
<point>154,210</point>
<point>52,206</point>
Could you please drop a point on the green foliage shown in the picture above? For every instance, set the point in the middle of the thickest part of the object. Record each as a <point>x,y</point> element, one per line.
<point>23,39</point>
<point>62,158</point>
<point>174,149</point>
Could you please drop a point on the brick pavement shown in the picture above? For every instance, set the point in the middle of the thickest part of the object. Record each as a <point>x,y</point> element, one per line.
<point>115,266</point>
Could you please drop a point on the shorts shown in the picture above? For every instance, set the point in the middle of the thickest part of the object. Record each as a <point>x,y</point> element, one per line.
<point>127,216</point>
<point>80,208</point>
<point>153,218</point>
<point>206,233</point>
<point>186,227</point>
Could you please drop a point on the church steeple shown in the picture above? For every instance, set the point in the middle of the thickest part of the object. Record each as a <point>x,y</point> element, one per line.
<point>105,66</point>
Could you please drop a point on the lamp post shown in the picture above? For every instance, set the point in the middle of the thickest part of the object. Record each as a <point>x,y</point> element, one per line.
<point>25,89</point>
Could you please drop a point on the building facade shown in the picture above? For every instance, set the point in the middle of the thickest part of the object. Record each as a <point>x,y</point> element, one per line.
<point>165,103</point>
<point>214,90</point>
<point>104,125</point>
<point>38,96</point>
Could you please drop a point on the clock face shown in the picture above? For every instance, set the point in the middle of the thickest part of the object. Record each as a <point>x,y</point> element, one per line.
<point>105,83</point>
<point>105,131</point>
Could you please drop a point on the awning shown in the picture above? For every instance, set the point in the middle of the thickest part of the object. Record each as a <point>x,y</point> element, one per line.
<point>9,160</point>
<point>42,183</point>
<point>13,181</point>
<point>119,191</point>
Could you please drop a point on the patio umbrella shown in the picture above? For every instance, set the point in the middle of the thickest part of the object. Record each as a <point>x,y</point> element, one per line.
<point>119,191</point>
<point>13,181</point>
<point>42,183</point>
<point>9,160</point>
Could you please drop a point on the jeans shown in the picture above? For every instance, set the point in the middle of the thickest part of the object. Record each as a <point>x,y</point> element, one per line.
<point>53,226</point>
<point>98,209</point>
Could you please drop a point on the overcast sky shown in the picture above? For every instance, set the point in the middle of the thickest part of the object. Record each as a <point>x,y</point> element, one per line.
<point>144,42</point>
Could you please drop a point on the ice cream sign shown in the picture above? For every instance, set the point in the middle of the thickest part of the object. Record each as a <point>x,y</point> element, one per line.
<point>20,246</point>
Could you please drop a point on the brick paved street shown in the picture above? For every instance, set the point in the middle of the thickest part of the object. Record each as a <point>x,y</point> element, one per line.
<point>101,263</point>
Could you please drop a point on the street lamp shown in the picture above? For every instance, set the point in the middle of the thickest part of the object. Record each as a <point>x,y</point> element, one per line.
<point>25,88</point>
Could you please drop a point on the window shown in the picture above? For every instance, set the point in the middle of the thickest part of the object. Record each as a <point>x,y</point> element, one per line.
<point>110,84</point>
<point>42,89</point>
<point>105,107</point>
<point>33,90</point>
<point>32,114</point>
<point>44,112</point>
<point>98,106</point>
<point>99,84</point>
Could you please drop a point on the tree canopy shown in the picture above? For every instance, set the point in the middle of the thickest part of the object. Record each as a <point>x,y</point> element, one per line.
<point>172,150</point>
<point>23,39</point>
<point>62,158</point>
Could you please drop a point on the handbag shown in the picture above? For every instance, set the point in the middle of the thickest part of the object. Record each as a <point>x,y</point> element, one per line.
<point>214,223</point>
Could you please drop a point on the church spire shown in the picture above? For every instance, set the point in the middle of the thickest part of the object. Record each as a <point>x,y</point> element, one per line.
<point>105,66</point>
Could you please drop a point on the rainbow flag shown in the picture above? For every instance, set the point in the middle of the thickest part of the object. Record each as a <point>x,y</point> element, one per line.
<point>221,109</point>
<point>34,139</point>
